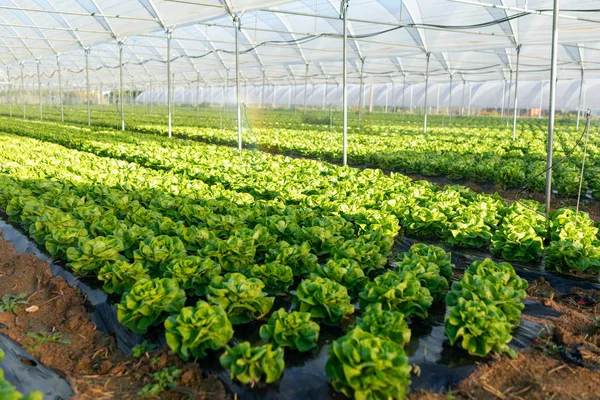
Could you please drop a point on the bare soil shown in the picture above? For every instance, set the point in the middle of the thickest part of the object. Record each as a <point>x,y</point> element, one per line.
<point>87,358</point>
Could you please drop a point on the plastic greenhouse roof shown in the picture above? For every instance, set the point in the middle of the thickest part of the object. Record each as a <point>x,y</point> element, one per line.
<point>284,42</point>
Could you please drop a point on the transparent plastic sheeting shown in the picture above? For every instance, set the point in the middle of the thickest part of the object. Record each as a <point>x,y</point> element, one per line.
<point>304,377</point>
<point>531,94</point>
<point>468,39</point>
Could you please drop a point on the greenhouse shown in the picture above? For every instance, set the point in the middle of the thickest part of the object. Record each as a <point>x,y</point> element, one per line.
<point>299,199</point>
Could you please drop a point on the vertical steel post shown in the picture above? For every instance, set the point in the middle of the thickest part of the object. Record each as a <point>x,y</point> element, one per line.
<point>403,92</point>
<point>121,105</point>
<point>551,108</point>
<point>39,76</point>
<point>236,24</point>
<point>503,97</point>
<point>509,94</point>
<point>23,91</point>
<point>470,91</point>
<point>197,96</point>
<point>325,95</point>
<point>426,92</point>
<point>411,99</point>
<point>226,94</point>
<point>344,12</point>
<point>437,106</point>
<point>305,88</point>
<point>393,103</point>
<point>579,109</point>
<point>516,110</point>
<point>169,84</point>
<point>450,103</point>
<point>9,92</point>
<point>462,100</point>
<point>361,99</point>
<point>87,84</point>
<point>60,94</point>
<point>541,98</point>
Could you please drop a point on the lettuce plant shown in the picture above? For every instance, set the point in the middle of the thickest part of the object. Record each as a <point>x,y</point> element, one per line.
<point>276,276</point>
<point>298,257</point>
<point>158,251</point>
<point>250,364</point>
<point>427,273</point>
<point>242,298</point>
<point>119,276</point>
<point>517,239</point>
<point>192,273</point>
<point>323,299</point>
<point>346,272</point>
<point>150,302</point>
<point>478,327</point>
<point>385,324</point>
<point>363,366</point>
<point>436,255</point>
<point>397,292</point>
<point>294,330</point>
<point>92,254</point>
<point>197,329</point>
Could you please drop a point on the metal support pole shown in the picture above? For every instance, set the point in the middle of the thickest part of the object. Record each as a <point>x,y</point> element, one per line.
<point>503,97</point>
<point>579,107</point>
<point>462,100</point>
<point>509,94</point>
<point>403,94</point>
<point>437,106</point>
<point>450,103</point>
<point>169,84</point>
<point>23,91</point>
<point>9,92</point>
<point>121,105</point>
<point>226,94</point>
<point>236,25</point>
<point>361,91</point>
<point>393,103</point>
<point>305,87</point>
<point>330,118</point>
<point>411,98</point>
<point>551,108</point>
<point>39,76</point>
<point>60,94</point>
<point>344,12</point>
<point>87,84</point>
<point>470,91</point>
<point>516,110</point>
<point>541,98</point>
<point>426,92</point>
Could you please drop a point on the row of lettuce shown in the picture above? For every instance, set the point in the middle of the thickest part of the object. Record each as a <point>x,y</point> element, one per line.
<point>516,232</point>
<point>202,259</point>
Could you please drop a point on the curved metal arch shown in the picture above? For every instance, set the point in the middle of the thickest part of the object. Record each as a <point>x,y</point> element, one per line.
<point>498,13</point>
<point>212,45</point>
<point>286,24</point>
<point>37,28</point>
<point>415,33</point>
<point>13,31</point>
<point>72,32</point>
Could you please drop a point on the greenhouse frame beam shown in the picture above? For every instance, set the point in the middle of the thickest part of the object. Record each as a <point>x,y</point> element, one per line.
<point>541,98</point>
<point>428,55</point>
<point>503,98</point>
<point>60,95</point>
<point>525,10</point>
<point>364,21</point>
<point>39,78</point>
<point>344,16</point>
<point>87,84</point>
<point>450,101</point>
<point>361,99</point>
<point>579,107</point>
<point>237,27</point>
<point>516,102</point>
<point>552,105</point>
<point>122,108</point>
<point>305,87</point>
<point>169,33</point>
<point>77,13</point>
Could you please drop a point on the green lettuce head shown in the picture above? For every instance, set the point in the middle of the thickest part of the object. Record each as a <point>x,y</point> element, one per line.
<point>250,364</point>
<point>197,329</point>
<point>294,330</point>
<point>119,276</point>
<point>92,254</point>
<point>149,303</point>
<point>242,298</point>
<point>323,299</point>
<point>397,292</point>
<point>193,273</point>
<point>363,366</point>
<point>385,324</point>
